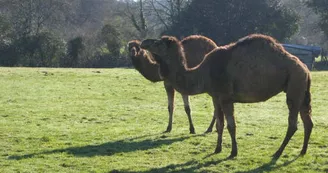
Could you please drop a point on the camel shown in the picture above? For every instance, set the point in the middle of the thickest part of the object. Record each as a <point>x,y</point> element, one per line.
<point>253,69</point>
<point>196,47</point>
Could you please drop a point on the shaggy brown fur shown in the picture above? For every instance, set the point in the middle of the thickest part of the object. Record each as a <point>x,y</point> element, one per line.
<point>196,47</point>
<point>143,62</point>
<point>253,69</point>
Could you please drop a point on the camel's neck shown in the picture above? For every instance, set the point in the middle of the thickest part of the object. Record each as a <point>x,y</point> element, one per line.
<point>186,80</point>
<point>148,68</point>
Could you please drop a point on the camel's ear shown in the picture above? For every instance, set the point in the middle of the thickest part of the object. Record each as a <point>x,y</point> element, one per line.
<point>168,41</point>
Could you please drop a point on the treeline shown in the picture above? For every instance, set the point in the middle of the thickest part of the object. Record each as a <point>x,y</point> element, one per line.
<point>89,33</point>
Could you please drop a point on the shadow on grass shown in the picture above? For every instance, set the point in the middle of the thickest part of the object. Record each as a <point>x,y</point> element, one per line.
<point>111,148</point>
<point>194,166</point>
<point>270,166</point>
<point>191,166</point>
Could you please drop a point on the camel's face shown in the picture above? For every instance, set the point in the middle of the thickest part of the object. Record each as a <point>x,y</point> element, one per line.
<point>133,48</point>
<point>157,47</point>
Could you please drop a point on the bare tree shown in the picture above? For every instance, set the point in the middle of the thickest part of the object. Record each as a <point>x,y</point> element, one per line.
<point>150,17</point>
<point>309,31</point>
<point>135,12</point>
<point>29,17</point>
<point>168,12</point>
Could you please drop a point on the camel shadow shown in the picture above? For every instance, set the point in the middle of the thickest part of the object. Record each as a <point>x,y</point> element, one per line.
<point>190,166</point>
<point>111,148</point>
<point>270,166</point>
<point>194,166</point>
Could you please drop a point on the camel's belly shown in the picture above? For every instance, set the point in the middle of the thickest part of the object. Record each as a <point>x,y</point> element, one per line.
<point>259,87</point>
<point>253,97</point>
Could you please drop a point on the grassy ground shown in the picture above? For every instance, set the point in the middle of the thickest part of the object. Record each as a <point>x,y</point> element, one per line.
<point>110,120</point>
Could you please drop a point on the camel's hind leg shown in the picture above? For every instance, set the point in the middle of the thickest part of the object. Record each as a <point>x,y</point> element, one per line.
<point>228,111</point>
<point>295,97</point>
<point>210,127</point>
<point>306,118</point>
<point>170,99</point>
<point>219,117</point>
<point>188,112</point>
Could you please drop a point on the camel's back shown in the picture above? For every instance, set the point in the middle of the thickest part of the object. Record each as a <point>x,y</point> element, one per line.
<point>259,53</point>
<point>258,67</point>
<point>196,47</point>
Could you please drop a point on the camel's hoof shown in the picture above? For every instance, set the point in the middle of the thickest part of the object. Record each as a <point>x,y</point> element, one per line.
<point>167,131</point>
<point>218,150</point>
<point>192,131</point>
<point>276,155</point>
<point>303,152</point>
<point>208,131</point>
<point>233,154</point>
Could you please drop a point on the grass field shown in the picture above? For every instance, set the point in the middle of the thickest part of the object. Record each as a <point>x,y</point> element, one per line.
<point>110,120</point>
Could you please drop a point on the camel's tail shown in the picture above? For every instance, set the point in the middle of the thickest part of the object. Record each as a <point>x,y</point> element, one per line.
<point>307,98</point>
<point>306,116</point>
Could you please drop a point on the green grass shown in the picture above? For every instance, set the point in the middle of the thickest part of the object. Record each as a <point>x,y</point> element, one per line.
<point>110,120</point>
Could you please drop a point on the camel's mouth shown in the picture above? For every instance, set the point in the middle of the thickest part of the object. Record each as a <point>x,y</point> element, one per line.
<point>133,53</point>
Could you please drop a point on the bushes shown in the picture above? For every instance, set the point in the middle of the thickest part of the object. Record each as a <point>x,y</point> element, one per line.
<point>75,48</point>
<point>111,37</point>
<point>48,50</point>
<point>42,50</point>
<point>108,61</point>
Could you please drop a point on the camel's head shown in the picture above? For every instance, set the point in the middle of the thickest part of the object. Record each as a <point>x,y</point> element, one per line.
<point>161,47</point>
<point>134,48</point>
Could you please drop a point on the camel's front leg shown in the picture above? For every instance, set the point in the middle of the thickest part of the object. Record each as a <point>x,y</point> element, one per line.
<point>297,97</point>
<point>293,106</point>
<point>188,112</point>
<point>170,99</point>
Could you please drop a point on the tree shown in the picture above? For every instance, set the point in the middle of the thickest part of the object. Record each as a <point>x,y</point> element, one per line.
<point>111,37</point>
<point>309,33</point>
<point>75,48</point>
<point>42,50</point>
<point>321,8</point>
<point>168,12</point>
<point>6,51</point>
<point>227,20</point>
<point>134,11</point>
<point>149,17</point>
<point>30,17</point>
<point>5,27</point>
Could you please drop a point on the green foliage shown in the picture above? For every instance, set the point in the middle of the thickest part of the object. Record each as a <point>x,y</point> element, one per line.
<point>5,31</point>
<point>42,50</point>
<point>75,48</point>
<point>111,37</point>
<point>8,56</point>
<point>227,20</point>
<point>110,120</point>
<point>321,7</point>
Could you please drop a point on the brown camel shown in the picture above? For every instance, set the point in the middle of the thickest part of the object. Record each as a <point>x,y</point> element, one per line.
<point>195,46</point>
<point>253,69</point>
